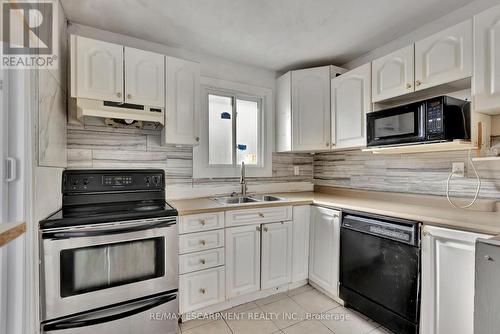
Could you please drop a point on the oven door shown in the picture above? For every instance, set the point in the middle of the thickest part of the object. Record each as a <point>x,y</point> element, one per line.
<point>85,268</point>
<point>401,125</point>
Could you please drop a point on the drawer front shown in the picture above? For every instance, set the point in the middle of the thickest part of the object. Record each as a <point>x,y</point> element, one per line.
<point>258,216</point>
<point>201,241</point>
<point>201,260</point>
<point>201,289</point>
<point>201,222</point>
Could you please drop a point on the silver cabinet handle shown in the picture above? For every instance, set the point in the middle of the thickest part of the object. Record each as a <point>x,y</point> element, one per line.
<point>202,261</point>
<point>202,222</point>
<point>129,96</point>
<point>119,94</point>
<point>202,291</point>
<point>261,215</point>
<point>258,228</point>
<point>203,242</point>
<point>265,229</point>
<point>488,258</point>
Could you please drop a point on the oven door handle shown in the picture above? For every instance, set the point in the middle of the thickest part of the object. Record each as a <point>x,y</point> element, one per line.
<point>94,319</point>
<point>91,232</point>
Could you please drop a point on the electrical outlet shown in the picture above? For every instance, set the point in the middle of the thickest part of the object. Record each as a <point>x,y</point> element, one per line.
<point>458,169</point>
<point>296,170</point>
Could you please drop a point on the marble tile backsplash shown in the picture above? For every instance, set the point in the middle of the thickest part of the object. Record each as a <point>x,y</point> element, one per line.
<point>102,147</point>
<point>422,173</point>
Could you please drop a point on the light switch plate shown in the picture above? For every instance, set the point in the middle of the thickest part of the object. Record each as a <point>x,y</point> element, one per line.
<point>296,170</point>
<point>458,169</point>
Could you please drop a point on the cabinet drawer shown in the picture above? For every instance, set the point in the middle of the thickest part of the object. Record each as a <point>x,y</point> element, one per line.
<point>200,241</point>
<point>201,289</point>
<point>201,222</point>
<point>201,260</point>
<point>258,216</point>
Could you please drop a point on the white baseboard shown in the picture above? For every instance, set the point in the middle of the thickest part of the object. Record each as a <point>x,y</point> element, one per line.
<point>241,300</point>
<point>326,292</point>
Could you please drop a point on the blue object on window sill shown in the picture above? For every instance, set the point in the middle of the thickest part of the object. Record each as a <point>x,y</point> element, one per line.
<point>242,147</point>
<point>225,115</point>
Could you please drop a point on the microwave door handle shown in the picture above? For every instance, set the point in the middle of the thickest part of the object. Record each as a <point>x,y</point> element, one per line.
<point>94,318</point>
<point>422,122</point>
<point>90,232</point>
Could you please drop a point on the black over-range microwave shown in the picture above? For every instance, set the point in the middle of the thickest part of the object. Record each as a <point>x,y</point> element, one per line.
<point>437,119</point>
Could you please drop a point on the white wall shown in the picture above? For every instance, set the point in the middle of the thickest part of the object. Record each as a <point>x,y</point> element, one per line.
<point>451,19</point>
<point>211,66</point>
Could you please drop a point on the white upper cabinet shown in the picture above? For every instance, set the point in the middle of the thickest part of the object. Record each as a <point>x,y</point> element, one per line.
<point>487,61</point>
<point>444,57</point>
<point>182,110</point>
<point>324,249</point>
<point>242,260</point>
<point>311,109</point>
<point>393,75</point>
<point>96,69</point>
<point>144,78</point>
<point>351,100</point>
<point>276,254</point>
<point>448,258</point>
<point>303,109</point>
<point>284,113</point>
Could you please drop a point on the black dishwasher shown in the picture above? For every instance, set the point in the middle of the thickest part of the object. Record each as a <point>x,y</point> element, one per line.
<point>380,269</point>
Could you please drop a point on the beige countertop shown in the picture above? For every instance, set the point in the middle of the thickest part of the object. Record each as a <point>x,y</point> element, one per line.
<point>10,231</point>
<point>484,217</point>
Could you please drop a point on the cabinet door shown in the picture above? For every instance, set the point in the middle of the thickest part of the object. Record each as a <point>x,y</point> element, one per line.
<point>300,242</point>
<point>487,64</point>
<point>311,109</point>
<point>487,301</point>
<point>242,260</point>
<point>447,281</point>
<point>183,102</point>
<point>276,259</point>
<point>144,78</point>
<point>444,57</point>
<point>96,69</point>
<point>324,249</point>
<point>351,100</point>
<point>284,113</point>
<point>393,75</point>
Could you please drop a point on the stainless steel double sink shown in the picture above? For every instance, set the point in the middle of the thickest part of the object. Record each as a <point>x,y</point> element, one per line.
<point>246,199</point>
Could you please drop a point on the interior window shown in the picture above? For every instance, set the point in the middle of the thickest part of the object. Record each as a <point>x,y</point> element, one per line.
<point>234,128</point>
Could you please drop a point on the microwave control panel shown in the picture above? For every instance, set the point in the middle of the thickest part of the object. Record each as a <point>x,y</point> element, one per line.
<point>434,117</point>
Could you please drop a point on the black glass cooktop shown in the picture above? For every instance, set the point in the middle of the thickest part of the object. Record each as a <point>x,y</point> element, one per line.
<point>108,212</point>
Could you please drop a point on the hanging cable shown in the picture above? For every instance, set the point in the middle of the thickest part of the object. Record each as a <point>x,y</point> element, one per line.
<point>477,189</point>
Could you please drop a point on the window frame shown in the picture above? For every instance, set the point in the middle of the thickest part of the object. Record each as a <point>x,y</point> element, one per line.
<point>264,98</point>
<point>234,124</point>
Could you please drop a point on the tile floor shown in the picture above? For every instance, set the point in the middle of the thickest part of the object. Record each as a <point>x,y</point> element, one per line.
<point>286,313</point>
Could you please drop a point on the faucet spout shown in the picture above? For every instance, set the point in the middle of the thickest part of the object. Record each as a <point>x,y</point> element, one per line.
<point>243,181</point>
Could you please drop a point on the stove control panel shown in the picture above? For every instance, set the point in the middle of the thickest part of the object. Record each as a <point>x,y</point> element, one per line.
<point>86,181</point>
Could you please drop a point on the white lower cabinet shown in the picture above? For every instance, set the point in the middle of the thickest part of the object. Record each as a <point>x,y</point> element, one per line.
<point>448,258</point>
<point>201,289</point>
<point>276,257</point>
<point>242,260</point>
<point>324,249</point>
<point>300,242</point>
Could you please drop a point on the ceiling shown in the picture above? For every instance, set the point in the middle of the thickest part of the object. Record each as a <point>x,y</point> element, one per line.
<point>274,34</point>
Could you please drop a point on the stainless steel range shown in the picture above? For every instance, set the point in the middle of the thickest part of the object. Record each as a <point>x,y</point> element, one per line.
<point>109,256</point>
